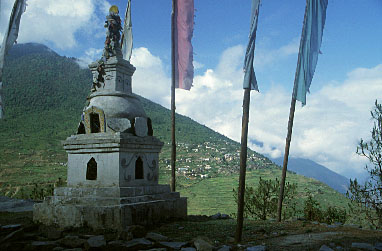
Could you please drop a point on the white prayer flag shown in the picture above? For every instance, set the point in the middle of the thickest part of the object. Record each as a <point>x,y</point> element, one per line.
<point>127,34</point>
<point>10,37</point>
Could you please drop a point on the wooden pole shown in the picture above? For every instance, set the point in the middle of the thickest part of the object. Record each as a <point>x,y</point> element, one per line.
<point>173,143</point>
<point>286,155</point>
<point>243,164</point>
<point>290,125</point>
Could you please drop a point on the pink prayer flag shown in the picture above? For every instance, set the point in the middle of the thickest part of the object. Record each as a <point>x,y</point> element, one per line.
<point>184,27</point>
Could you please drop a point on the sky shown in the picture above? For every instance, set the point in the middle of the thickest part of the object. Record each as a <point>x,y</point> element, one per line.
<point>347,80</point>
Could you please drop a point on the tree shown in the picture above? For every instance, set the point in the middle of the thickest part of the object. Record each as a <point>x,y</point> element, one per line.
<point>368,197</point>
<point>313,212</point>
<point>261,202</point>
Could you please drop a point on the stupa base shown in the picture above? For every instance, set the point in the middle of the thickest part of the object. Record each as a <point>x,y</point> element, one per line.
<point>110,208</point>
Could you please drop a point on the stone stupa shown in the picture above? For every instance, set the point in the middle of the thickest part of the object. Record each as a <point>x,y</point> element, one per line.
<point>113,160</point>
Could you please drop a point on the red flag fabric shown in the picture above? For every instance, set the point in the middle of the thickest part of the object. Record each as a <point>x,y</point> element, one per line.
<point>184,27</point>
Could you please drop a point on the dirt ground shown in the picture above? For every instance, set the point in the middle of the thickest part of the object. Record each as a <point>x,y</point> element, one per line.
<point>291,235</point>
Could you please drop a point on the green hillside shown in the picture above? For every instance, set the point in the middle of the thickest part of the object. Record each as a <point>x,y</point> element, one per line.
<point>44,95</point>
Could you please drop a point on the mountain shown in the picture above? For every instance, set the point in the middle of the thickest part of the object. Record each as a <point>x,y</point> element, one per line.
<point>319,172</point>
<point>44,95</point>
<point>39,81</point>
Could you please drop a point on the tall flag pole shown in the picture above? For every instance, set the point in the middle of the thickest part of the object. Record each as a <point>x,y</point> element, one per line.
<point>173,142</point>
<point>249,84</point>
<point>182,27</point>
<point>127,34</point>
<point>10,37</point>
<point>310,43</point>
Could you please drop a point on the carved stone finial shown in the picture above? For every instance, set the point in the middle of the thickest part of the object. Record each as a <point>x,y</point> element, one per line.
<point>114,27</point>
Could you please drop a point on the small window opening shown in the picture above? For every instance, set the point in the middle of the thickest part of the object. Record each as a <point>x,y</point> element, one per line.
<point>95,126</point>
<point>81,128</point>
<point>139,169</point>
<point>150,127</point>
<point>91,171</point>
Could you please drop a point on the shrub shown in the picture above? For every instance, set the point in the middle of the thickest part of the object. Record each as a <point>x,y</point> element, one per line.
<point>261,202</point>
<point>333,214</point>
<point>313,212</point>
<point>368,197</point>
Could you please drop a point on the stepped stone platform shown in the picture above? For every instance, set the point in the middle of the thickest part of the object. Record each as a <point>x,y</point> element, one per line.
<point>110,208</point>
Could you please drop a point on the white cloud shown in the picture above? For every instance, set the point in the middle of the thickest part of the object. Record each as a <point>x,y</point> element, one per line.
<point>103,5</point>
<point>90,56</point>
<point>265,57</point>
<point>149,79</point>
<point>198,65</point>
<point>291,48</point>
<point>56,21</point>
<point>326,130</point>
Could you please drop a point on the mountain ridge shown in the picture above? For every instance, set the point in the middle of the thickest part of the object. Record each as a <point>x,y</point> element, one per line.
<point>44,104</point>
<point>309,168</point>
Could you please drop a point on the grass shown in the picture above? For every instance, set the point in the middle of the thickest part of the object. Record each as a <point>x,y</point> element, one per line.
<point>210,196</point>
<point>205,196</point>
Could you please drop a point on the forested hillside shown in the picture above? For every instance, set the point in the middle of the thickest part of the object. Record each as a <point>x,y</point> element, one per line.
<point>44,95</point>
